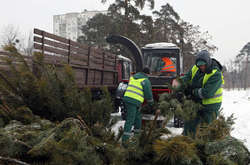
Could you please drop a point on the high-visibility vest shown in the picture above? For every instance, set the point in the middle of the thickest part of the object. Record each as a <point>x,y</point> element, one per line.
<point>217,98</point>
<point>135,89</point>
<point>168,66</point>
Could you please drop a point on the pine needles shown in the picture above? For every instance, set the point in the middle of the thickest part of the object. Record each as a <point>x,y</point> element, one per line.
<point>79,130</point>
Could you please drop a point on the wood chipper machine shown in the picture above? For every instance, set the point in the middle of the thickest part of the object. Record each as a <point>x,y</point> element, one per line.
<point>152,56</point>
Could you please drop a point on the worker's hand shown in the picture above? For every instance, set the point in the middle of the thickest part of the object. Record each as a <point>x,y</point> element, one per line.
<point>158,111</point>
<point>175,83</point>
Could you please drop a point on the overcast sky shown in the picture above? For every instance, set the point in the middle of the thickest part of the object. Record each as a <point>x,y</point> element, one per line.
<point>228,21</point>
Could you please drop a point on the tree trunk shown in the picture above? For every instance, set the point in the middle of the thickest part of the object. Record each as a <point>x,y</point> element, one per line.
<point>246,75</point>
<point>126,19</point>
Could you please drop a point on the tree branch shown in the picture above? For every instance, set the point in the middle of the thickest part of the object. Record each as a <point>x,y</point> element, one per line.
<point>11,160</point>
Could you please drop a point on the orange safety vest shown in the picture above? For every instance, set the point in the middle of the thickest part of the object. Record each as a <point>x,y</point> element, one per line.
<point>169,65</point>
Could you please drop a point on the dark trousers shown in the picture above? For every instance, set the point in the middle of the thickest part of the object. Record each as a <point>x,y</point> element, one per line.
<point>133,119</point>
<point>206,115</point>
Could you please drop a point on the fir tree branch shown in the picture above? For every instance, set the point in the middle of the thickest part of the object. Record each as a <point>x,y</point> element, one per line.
<point>153,124</point>
<point>11,160</point>
<point>23,143</point>
<point>84,125</point>
<point>8,83</point>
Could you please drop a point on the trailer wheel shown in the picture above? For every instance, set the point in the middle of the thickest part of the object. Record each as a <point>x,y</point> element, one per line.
<point>178,123</point>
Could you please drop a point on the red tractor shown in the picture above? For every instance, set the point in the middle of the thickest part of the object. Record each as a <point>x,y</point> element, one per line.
<point>151,56</point>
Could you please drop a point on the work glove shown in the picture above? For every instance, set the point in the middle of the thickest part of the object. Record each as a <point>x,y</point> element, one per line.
<point>194,96</point>
<point>188,91</point>
<point>179,96</point>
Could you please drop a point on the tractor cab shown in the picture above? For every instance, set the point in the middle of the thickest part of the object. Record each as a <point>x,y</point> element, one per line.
<point>164,61</point>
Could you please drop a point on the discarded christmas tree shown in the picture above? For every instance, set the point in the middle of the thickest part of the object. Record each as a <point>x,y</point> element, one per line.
<point>45,119</point>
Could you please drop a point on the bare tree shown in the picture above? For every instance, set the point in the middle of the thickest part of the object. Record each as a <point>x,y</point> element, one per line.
<point>10,35</point>
<point>28,44</point>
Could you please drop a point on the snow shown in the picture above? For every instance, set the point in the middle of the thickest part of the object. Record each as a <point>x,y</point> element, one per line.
<point>116,127</point>
<point>161,45</point>
<point>234,102</point>
<point>238,103</point>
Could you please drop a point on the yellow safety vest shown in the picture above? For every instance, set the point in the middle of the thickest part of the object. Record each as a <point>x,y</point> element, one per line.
<point>217,98</point>
<point>135,89</point>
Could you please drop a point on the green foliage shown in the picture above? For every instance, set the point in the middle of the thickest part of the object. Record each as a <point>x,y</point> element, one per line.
<point>50,92</point>
<point>10,147</point>
<point>219,160</point>
<point>66,144</point>
<point>125,18</point>
<point>217,130</point>
<point>168,18</point>
<point>228,148</point>
<point>4,117</point>
<point>96,111</point>
<point>183,108</point>
<point>178,150</point>
<point>16,139</point>
<point>23,114</point>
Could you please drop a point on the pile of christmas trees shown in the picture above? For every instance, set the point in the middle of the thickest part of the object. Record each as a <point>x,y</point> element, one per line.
<point>45,119</point>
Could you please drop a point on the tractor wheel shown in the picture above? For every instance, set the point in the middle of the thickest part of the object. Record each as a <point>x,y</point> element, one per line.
<point>178,123</point>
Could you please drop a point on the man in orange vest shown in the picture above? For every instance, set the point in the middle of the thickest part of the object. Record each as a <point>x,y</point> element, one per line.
<point>169,66</point>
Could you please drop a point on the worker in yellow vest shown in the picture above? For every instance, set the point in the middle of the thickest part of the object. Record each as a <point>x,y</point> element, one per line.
<point>139,88</point>
<point>205,81</point>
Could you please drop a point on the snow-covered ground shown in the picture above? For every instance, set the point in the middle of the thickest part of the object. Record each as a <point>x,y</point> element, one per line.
<point>235,102</point>
<point>238,103</point>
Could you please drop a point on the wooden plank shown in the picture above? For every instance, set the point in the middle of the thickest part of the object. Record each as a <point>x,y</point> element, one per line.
<point>51,36</point>
<point>16,62</point>
<point>61,45</point>
<point>78,62</point>
<point>97,80</point>
<point>4,54</point>
<point>51,43</point>
<point>90,77</point>
<point>109,63</point>
<point>79,50</point>
<point>109,67</point>
<point>96,66</point>
<point>109,55</point>
<point>96,61</point>
<point>55,59</point>
<point>80,76</point>
<point>108,78</point>
<point>93,68</point>
<point>50,49</point>
<point>96,52</point>
<point>97,56</point>
<point>79,57</point>
<point>61,39</point>
<point>38,32</point>
<point>78,45</point>
<point>110,60</point>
